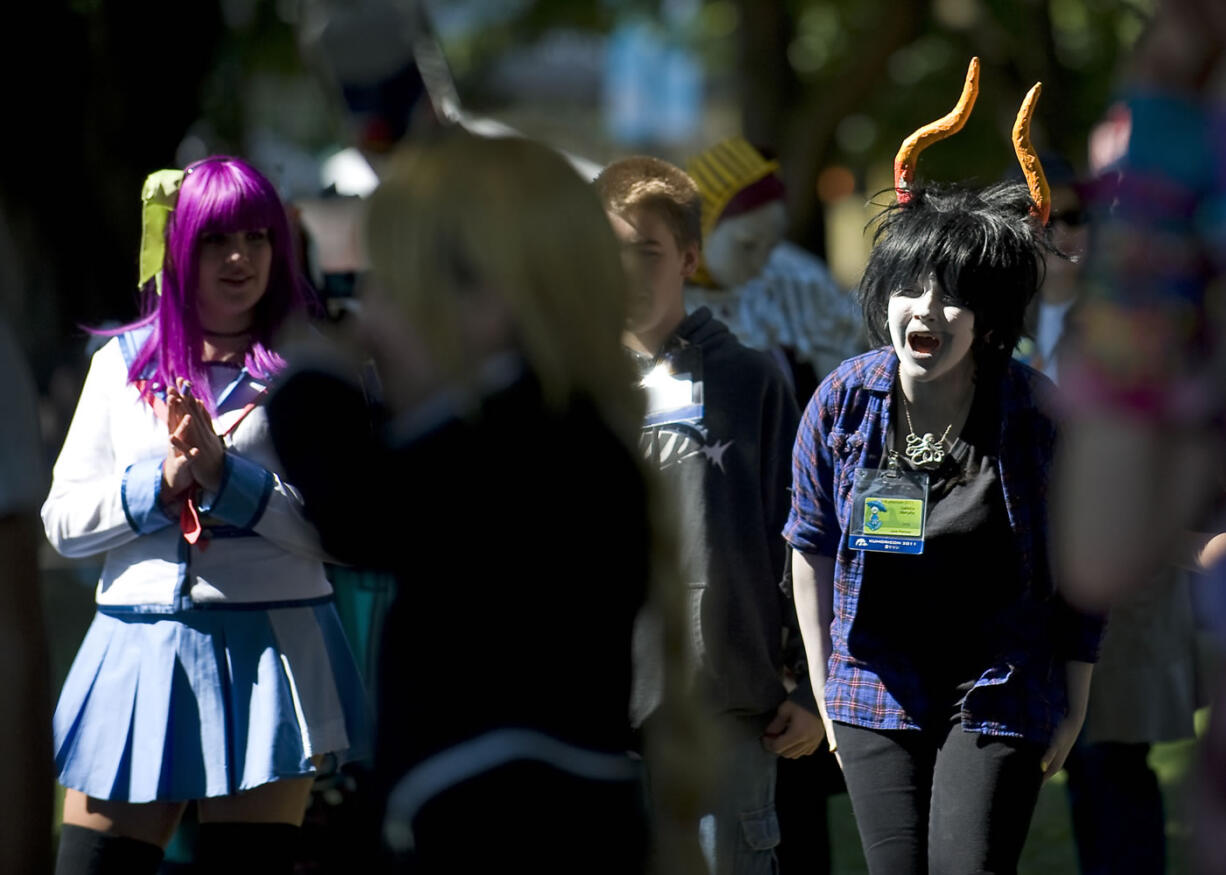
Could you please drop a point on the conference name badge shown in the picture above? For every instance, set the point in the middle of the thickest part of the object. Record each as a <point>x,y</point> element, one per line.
<point>889,509</point>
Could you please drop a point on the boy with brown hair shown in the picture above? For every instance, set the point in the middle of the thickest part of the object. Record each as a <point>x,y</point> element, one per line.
<point>720,425</point>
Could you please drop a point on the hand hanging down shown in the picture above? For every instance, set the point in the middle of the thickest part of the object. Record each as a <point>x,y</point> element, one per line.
<point>794,732</point>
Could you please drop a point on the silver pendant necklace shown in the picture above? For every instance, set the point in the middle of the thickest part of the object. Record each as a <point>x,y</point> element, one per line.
<point>926,450</point>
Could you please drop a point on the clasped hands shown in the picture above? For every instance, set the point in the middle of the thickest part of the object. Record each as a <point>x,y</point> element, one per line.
<point>196,453</point>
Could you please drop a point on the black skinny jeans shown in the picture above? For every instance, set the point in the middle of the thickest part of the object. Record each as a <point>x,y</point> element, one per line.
<point>944,802</point>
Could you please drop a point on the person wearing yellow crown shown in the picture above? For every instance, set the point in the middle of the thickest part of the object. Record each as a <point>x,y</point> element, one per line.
<point>772,294</point>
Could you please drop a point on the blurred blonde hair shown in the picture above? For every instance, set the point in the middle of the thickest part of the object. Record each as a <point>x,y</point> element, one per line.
<point>512,217</point>
<point>509,217</point>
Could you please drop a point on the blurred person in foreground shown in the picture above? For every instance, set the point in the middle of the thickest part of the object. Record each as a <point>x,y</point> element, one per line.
<point>951,674</point>
<point>215,668</point>
<point>1147,377</point>
<point>1145,687</point>
<point>25,825</point>
<point>498,481</point>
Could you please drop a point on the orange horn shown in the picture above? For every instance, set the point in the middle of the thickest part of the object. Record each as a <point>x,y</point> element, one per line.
<point>1040,192</point>
<point>908,153</point>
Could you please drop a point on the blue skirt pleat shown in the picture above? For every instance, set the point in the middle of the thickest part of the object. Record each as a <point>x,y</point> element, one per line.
<point>207,703</point>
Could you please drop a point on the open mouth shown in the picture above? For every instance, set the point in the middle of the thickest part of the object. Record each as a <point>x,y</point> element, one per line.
<point>923,343</point>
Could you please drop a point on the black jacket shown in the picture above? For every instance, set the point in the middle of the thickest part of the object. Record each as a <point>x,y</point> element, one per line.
<point>727,475</point>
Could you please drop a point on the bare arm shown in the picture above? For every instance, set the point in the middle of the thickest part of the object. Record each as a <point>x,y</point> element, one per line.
<point>1078,678</point>
<point>813,589</point>
<point>1123,495</point>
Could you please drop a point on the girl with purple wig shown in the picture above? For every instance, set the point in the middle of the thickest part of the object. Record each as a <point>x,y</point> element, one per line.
<point>215,669</point>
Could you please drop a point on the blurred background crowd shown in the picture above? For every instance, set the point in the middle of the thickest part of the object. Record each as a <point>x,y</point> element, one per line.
<point>831,87</point>
<point>315,93</point>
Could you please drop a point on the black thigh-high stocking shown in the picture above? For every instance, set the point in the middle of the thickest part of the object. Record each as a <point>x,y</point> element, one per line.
<point>85,851</point>
<point>234,848</point>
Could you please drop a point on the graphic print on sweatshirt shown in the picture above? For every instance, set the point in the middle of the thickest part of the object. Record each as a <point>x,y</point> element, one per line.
<point>673,430</point>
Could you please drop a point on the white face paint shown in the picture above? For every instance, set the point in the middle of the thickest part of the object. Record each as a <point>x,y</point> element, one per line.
<point>931,332</point>
<point>738,247</point>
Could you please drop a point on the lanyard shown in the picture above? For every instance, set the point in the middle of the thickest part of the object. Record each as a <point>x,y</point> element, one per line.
<point>889,508</point>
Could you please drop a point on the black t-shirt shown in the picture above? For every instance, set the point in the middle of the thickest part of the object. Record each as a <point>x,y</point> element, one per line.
<point>940,610</point>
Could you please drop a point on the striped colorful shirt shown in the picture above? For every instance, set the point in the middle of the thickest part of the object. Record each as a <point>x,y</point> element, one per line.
<point>1023,693</point>
<point>1151,330</point>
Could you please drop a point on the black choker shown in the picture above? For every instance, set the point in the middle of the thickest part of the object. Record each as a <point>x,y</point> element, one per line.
<point>227,333</point>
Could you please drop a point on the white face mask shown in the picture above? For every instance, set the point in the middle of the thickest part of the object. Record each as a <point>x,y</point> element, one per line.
<point>932,333</point>
<point>736,249</point>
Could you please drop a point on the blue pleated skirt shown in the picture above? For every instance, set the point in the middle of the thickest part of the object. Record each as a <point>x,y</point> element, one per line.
<point>207,703</point>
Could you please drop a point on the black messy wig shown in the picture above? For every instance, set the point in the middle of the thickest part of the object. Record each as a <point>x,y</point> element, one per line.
<point>985,248</point>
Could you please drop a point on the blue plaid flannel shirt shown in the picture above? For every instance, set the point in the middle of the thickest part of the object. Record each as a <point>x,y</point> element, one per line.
<point>844,427</point>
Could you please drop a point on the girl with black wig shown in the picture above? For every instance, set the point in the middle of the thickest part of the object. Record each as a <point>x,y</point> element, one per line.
<point>951,676</point>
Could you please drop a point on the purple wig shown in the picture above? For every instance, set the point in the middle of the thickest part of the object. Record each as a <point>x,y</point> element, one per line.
<point>218,195</point>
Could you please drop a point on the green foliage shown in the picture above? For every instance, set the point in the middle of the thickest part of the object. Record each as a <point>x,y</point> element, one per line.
<point>1073,46</point>
<point>842,82</point>
<point>471,53</point>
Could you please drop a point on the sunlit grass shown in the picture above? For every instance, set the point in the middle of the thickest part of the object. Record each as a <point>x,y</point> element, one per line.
<point>1049,849</point>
